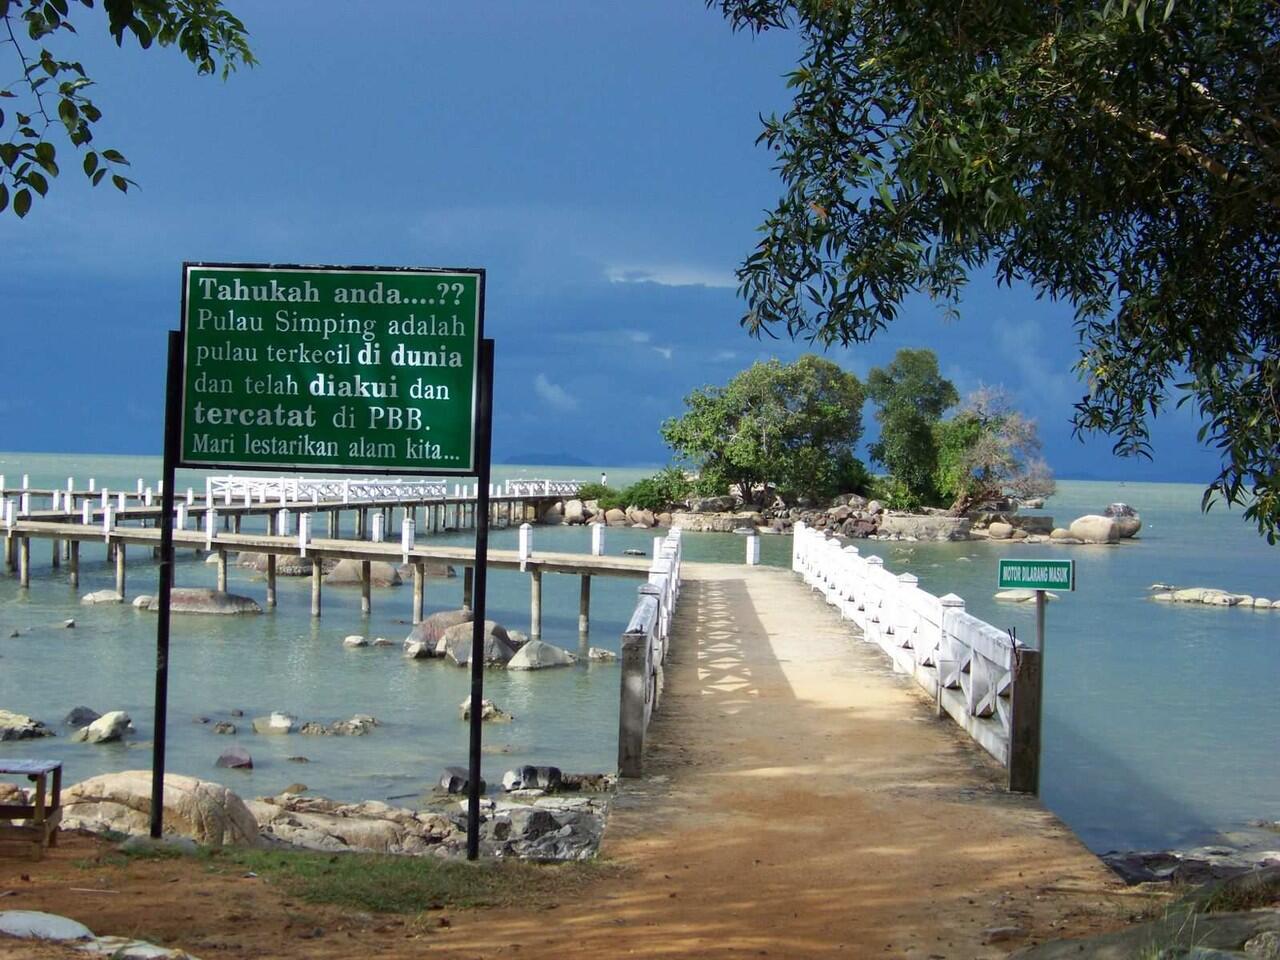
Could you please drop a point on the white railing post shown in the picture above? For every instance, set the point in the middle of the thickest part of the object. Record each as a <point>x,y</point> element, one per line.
<point>26,503</point>
<point>304,533</point>
<point>597,540</point>
<point>147,496</point>
<point>753,550</point>
<point>86,512</point>
<point>106,497</point>
<point>408,536</point>
<point>92,485</point>
<point>282,523</point>
<point>797,544</point>
<point>191,497</point>
<point>379,525</point>
<point>139,490</point>
<point>71,484</point>
<point>180,515</point>
<point>107,519</point>
<point>8,512</point>
<point>526,543</point>
<point>210,526</point>
<point>122,500</point>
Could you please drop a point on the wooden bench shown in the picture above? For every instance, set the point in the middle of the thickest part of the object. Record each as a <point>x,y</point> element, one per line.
<point>43,815</point>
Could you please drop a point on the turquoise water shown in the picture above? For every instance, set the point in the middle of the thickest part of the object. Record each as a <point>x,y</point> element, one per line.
<point>1161,723</point>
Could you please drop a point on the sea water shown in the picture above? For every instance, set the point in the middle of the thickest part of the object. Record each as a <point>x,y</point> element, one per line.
<point>1161,725</point>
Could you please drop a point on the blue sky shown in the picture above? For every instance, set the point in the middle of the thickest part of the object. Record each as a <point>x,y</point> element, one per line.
<point>596,157</point>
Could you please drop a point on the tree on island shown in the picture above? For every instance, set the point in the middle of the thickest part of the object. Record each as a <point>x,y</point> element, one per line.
<point>789,426</point>
<point>989,451</point>
<point>911,396</point>
<point>48,101</point>
<point>1120,155</point>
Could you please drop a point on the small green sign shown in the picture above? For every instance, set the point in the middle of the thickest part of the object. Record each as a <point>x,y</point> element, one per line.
<point>360,369</point>
<point>1037,574</point>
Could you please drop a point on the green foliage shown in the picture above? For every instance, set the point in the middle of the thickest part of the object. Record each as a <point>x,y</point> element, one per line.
<point>911,396</point>
<point>667,487</point>
<point>597,491</point>
<point>51,101</point>
<point>398,884</point>
<point>896,495</point>
<point>1122,156</point>
<point>788,425</point>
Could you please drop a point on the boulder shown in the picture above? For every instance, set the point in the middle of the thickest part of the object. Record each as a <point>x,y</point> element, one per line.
<point>1023,596</point>
<point>80,717</point>
<point>109,727</point>
<point>616,517</point>
<point>600,655</point>
<point>205,811</point>
<point>36,925</point>
<point>354,640</point>
<point>359,725</point>
<point>414,650</point>
<point>347,573</point>
<point>874,506</point>
<point>1092,528</point>
<point>276,723</point>
<point>102,596</point>
<point>1019,534</point>
<point>924,527</point>
<point>199,600</point>
<point>497,649</point>
<point>454,780</point>
<point>710,504</point>
<point>575,512</point>
<point>235,758</point>
<point>663,519</point>
<point>142,601</point>
<point>1119,510</point>
<point>517,638</point>
<point>1000,531</point>
<point>532,778</point>
<point>536,655</point>
<point>1060,533</point>
<point>17,726</point>
<point>553,515</point>
<point>316,823</point>
<point>645,518</point>
<point>489,711</point>
<point>431,630</point>
<point>225,728</point>
<point>1128,526</point>
<point>287,565</point>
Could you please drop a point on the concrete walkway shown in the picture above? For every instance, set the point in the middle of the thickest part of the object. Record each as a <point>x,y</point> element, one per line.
<point>803,800</point>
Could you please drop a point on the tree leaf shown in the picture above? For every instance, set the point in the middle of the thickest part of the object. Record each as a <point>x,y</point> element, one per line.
<point>22,202</point>
<point>90,163</point>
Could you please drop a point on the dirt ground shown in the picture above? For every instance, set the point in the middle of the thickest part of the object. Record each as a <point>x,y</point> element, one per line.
<point>800,800</point>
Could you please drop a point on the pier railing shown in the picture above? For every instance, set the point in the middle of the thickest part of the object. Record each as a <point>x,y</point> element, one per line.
<point>234,489</point>
<point>985,680</point>
<point>644,651</point>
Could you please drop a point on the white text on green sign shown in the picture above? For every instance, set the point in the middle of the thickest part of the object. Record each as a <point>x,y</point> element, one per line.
<point>1037,575</point>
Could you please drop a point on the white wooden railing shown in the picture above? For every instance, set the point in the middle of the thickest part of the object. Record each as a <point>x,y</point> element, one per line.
<point>977,674</point>
<point>644,650</point>
<point>234,488</point>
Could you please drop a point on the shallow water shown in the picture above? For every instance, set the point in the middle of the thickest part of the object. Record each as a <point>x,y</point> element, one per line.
<point>1161,722</point>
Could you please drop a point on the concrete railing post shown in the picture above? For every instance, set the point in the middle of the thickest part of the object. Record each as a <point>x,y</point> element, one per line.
<point>597,540</point>
<point>408,536</point>
<point>379,528</point>
<point>304,533</point>
<point>86,513</point>
<point>631,707</point>
<point>210,526</point>
<point>108,518</point>
<point>1024,724</point>
<point>753,550</point>
<point>525,543</point>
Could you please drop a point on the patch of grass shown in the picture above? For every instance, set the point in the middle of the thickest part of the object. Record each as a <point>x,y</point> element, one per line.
<point>401,884</point>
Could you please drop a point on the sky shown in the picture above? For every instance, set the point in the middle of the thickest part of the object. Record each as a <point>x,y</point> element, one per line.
<point>596,157</point>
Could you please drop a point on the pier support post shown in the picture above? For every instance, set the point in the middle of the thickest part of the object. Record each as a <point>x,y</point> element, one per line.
<point>1024,725</point>
<point>74,561</point>
<point>366,575</point>
<point>419,591</point>
<point>57,554</point>
<point>271,577</point>
<point>222,570</point>
<point>362,524</point>
<point>120,555</point>
<point>535,603</point>
<point>317,574</point>
<point>468,575</point>
<point>235,524</point>
<point>24,562</point>
<point>10,551</point>
<point>584,605</point>
<point>333,524</point>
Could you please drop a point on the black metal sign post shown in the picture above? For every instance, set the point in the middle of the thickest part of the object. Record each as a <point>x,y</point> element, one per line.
<point>484,444</point>
<point>172,442</point>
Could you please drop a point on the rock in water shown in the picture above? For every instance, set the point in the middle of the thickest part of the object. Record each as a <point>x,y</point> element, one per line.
<point>489,712</point>
<point>17,726</point>
<point>197,600</point>
<point>430,630</point>
<point>81,717</point>
<point>1092,528</point>
<point>235,758</point>
<point>497,651</point>
<point>206,812</point>
<point>601,655</point>
<point>354,640</point>
<point>142,601</point>
<point>102,596</point>
<point>277,723</point>
<point>532,778</point>
<point>536,655</point>
<point>224,728</point>
<point>347,572</point>
<point>454,780</point>
<point>107,728</point>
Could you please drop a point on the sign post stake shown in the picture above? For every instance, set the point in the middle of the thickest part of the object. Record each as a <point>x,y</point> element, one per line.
<point>484,434</point>
<point>172,441</point>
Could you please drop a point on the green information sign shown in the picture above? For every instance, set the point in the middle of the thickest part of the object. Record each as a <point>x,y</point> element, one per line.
<point>1037,574</point>
<point>359,369</point>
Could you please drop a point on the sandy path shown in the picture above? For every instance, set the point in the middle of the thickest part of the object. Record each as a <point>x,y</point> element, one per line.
<point>801,801</point>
